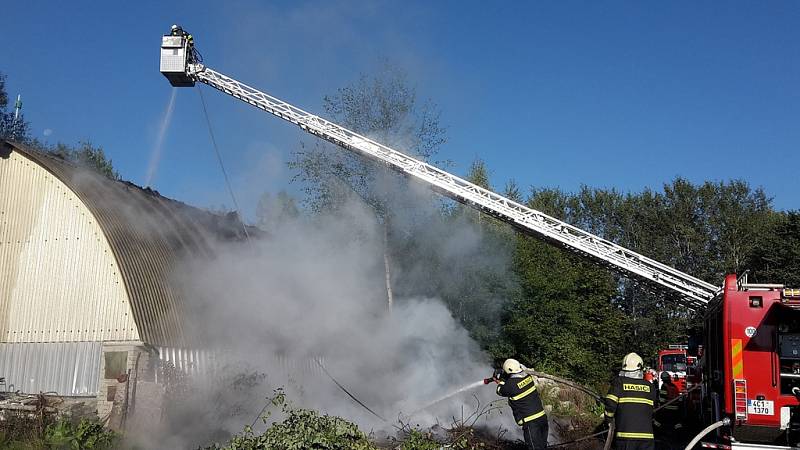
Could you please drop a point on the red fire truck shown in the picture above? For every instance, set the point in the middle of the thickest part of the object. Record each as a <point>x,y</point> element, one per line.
<point>750,360</point>
<point>674,361</point>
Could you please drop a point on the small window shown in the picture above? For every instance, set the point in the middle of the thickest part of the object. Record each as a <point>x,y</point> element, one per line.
<point>756,302</point>
<point>116,364</point>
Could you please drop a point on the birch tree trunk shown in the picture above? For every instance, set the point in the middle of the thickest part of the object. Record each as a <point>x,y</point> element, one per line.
<point>386,267</point>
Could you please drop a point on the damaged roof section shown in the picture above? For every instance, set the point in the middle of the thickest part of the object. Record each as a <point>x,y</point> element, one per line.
<point>149,235</point>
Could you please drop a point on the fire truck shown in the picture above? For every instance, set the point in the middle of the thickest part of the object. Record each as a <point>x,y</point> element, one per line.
<point>750,343</point>
<point>749,352</point>
<point>675,362</point>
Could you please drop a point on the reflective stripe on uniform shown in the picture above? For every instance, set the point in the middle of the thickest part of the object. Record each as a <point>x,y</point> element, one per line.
<point>609,414</point>
<point>623,434</point>
<point>644,401</point>
<point>524,394</point>
<point>531,417</point>
<point>612,397</point>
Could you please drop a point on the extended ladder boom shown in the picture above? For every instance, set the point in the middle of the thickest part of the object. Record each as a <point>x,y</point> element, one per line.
<point>692,291</point>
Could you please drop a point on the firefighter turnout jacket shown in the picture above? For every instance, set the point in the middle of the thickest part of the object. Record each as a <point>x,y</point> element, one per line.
<point>526,405</point>
<point>668,392</point>
<point>630,403</point>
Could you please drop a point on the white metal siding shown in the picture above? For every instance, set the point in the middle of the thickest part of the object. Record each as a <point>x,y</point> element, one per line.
<point>59,281</point>
<point>68,368</point>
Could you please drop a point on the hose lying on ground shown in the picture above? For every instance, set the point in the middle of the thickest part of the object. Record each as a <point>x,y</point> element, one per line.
<point>585,438</point>
<point>724,422</point>
<point>346,391</point>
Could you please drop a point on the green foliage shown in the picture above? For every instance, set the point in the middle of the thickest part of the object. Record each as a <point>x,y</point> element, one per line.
<point>418,440</point>
<point>86,155</point>
<point>86,435</point>
<point>776,256</point>
<point>274,211</point>
<point>383,107</point>
<point>62,434</point>
<point>576,319</point>
<point>15,129</point>
<point>3,93</point>
<point>478,174</point>
<point>20,428</point>
<point>563,321</point>
<point>299,430</point>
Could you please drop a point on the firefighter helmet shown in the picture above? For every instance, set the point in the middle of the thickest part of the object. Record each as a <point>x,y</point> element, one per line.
<point>632,362</point>
<point>512,366</point>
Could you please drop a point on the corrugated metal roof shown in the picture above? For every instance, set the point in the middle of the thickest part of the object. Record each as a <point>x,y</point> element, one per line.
<point>46,229</point>
<point>148,234</point>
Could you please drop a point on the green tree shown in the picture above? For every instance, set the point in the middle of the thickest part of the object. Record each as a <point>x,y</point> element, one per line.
<point>776,254</point>
<point>275,211</point>
<point>563,319</point>
<point>3,94</point>
<point>705,230</point>
<point>383,107</point>
<point>86,155</point>
<point>11,127</point>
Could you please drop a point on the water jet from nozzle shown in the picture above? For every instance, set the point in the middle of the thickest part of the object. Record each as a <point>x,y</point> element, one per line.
<point>452,394</point>
<point>155,157</point>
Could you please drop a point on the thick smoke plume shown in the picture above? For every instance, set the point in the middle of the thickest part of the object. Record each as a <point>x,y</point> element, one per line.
<point>313,290</point>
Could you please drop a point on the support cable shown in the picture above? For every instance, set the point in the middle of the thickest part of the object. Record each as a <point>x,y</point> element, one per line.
<point>221,165</point>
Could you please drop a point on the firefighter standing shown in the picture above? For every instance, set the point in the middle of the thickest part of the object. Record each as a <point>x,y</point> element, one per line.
<point>629,404</point>
<point>520,388</point>
<point>670,415</point>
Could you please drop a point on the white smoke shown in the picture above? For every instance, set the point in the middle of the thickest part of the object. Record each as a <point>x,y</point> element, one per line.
<point>313,289</point>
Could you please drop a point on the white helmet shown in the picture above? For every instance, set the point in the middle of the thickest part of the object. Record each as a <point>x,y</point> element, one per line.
<point>511,366</point>
<point>632,362</point>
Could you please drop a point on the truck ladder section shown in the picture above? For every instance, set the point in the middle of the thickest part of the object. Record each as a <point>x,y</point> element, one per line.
<point>692,292</point>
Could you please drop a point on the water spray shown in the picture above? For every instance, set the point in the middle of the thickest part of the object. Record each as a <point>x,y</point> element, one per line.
<point>465,388</point>
<point>155,157</point>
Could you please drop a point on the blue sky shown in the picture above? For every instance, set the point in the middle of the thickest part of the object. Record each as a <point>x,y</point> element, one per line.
<point>551,94</point>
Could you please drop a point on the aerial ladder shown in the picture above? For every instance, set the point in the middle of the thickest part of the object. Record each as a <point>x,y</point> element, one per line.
<point>182,65</point>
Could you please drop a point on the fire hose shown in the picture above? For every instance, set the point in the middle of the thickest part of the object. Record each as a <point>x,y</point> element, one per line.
<point>339,385</point>
<point>722,423</point>
<point>565,382</point>
<point>560,380</point>
<point>346,391</point>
